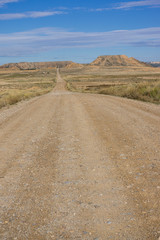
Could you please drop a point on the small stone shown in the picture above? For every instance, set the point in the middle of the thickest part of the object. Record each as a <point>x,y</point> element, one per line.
<point>109,222</point>
<point>84,232</point>
<point>96,206</point>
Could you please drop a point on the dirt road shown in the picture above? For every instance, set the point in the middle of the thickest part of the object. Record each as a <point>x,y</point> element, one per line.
<point>80,166</point>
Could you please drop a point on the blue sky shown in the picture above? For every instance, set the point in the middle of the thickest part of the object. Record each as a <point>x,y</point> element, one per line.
<point>78,30</point>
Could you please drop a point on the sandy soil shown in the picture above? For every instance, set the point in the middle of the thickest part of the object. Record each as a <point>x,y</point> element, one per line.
<point>79,166</point>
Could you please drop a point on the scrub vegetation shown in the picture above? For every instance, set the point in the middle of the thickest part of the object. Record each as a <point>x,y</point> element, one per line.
<point>20,85</point>
<point>134,83</point>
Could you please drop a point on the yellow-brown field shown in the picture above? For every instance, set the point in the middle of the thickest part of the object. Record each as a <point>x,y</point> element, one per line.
<point>19,85</point>
<point>131,82</point>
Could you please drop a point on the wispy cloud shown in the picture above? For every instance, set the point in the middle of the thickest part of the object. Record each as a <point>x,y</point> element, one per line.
<point>45,39</point>
<point>125,6</point>
<point>99,9</point>
<point>3,2</point>
<point>133,4</point>
<point>11,16</point>
<point>119,6</point>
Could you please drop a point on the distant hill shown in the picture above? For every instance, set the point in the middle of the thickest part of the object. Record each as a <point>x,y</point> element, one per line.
<point>117,60</point>
<point>108,60</point>
<point>155,64</point>
<point>40,65</point>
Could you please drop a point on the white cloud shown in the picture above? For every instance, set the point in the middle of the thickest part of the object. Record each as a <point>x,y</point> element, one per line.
<point>43,14</point>
<point>128,5</point>
<point>45,39</point>
<point>3,2</point>
<point>99,9</point>
<point>11,16</point>
<point>132,4</point>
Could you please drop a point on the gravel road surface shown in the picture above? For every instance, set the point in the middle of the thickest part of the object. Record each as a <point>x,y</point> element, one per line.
<point>79,166</point>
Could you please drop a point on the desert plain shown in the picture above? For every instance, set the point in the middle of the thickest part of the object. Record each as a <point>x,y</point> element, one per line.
<point>80,151</point>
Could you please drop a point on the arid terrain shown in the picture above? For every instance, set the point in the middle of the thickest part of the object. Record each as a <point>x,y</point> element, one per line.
<point>79,166</point>
<point>19,85</point>
<point>116,76</point>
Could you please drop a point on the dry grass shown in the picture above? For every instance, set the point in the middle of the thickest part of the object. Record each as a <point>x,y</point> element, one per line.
<point>146,91</point>
<point>19,85</point>
<point>135,83</point>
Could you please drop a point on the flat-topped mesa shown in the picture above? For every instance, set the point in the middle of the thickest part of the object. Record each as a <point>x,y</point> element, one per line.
<point>39,65</point>
<point>117,60</point>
